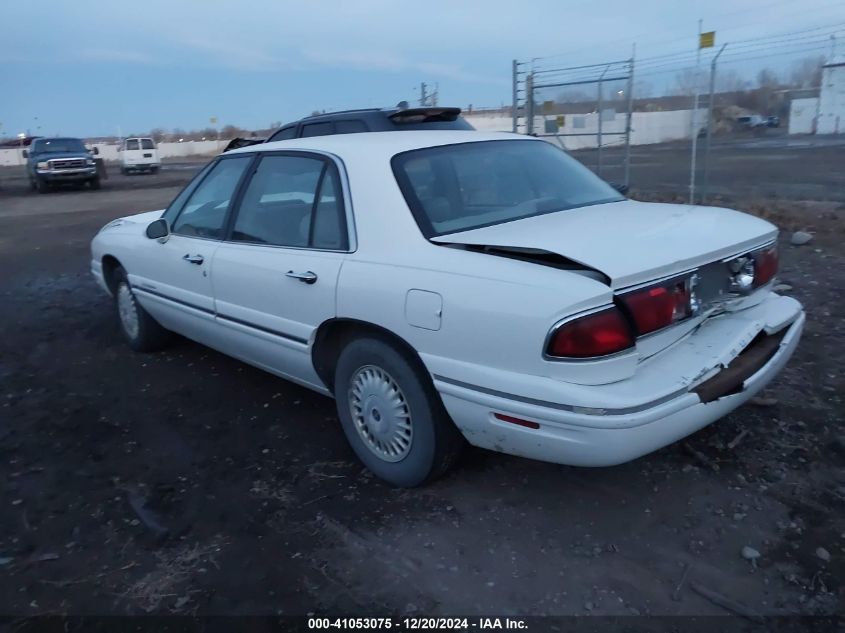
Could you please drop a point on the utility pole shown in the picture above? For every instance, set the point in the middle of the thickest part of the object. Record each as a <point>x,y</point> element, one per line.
<point>694,118</point>
<point>423,97</point>
<point>706,183</point>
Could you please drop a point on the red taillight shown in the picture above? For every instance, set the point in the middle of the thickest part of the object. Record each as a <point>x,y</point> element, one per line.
<point>765,265</point>
<point>659,306</point>
<point>597,334</point>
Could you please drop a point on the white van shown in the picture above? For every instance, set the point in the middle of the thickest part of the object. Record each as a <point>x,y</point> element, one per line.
<point>138,154</point>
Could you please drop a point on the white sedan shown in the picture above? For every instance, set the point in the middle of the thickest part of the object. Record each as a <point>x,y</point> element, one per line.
<point>453,286</point>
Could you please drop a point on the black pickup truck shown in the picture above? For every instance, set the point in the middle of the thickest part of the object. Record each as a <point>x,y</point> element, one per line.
<point>50,161</point>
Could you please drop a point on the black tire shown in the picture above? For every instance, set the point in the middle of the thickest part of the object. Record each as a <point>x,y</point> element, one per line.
<point>124,171</point>
<point>154,170</point>
<point>94,183</point>
<point>148,336</point>
<point>434,441</point>
<point>32,184</point>
<point>42,185</point>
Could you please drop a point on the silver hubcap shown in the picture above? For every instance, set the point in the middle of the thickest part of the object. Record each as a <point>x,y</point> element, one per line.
<point>128,310</point>
<point>380,413</point>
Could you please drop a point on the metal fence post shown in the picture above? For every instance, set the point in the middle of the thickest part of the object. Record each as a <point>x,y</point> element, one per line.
<point>629,121</point>
<point>515,102</point>
<point>694,118</point>
<point>529,103</point>
<point>706,178</point>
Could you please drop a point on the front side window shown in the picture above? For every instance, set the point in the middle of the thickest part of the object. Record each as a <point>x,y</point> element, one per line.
<point>204,212</point>
<point>292,201</point>
<point>147,143</point>
<point>132,143</point>
<point>469,185</point>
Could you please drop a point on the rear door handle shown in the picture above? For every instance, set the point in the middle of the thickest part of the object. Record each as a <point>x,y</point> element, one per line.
<point>193,259</point>
<point>307,277</point>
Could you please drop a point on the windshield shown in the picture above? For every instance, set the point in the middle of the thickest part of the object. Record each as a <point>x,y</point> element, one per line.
<point>466,186</point>
<point>54,145</point>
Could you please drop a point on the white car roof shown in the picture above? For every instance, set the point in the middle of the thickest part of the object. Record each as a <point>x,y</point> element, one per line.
<point>382,143</point>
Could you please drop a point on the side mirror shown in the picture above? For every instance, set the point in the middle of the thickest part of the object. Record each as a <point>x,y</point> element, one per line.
<point>26,153</point>
<point>95,151</point>
<point>158,229</point>
<point>623,189</point>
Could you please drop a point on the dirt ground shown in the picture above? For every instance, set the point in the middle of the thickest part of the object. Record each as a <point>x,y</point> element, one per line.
<point>188,482</point>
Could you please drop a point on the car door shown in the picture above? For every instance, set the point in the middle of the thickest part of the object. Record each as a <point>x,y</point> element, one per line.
<point>170,276</point>
<point>275,276</point>
<point>131,151</point>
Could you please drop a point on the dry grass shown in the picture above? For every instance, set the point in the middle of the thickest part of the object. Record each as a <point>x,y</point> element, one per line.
<point>174,568</point>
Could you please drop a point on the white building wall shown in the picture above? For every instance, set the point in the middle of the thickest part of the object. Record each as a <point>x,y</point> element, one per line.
<point>832,98</point>
<point>646,127</point>
<point>802,115</point>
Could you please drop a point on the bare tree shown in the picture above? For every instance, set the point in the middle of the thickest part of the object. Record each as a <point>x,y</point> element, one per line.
<point>767,79</point>
<point>730,81</point>
<point>685,82</point>
<point>807,73</point>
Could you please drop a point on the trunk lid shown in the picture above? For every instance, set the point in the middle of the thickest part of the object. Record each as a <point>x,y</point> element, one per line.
<point>630,242</point>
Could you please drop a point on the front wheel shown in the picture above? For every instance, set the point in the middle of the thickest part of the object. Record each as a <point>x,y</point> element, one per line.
<point>43,185</point>
<point>391,414</point>
<point>141,331</point>
<point>94,183</point>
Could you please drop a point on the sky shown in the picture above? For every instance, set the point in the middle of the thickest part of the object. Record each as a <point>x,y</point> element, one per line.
<point>89,68</point>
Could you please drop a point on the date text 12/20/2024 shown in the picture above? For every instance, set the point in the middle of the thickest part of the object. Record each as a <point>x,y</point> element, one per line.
<point>417,624</point>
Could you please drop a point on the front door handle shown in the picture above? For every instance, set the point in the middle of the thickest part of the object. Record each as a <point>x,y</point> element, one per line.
<point>193,259</point>
<point>307,277</point>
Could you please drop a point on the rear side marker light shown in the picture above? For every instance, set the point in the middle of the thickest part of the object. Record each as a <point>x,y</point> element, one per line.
<point>593,335</point>
<point>518,421</point>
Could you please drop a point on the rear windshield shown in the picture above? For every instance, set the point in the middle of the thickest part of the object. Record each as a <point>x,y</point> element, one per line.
<point>147,143</point>
<point>132,143</point>
<point>469,185</point>
<point>419,124</point>
<point>52,145</point>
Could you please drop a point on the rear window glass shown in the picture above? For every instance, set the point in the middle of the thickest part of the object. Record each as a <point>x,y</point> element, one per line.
<point>132,144</point>
<point>453,188</point>
<point>147,143</point>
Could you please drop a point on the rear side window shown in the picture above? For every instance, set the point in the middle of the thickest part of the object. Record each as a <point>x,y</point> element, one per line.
<point>292,201</point>
<point>132,144</point>
<point>284,134</point>
<point>350,127</point>
<point>206,207</point>
<point>147,143</point>
<point>318,129</point>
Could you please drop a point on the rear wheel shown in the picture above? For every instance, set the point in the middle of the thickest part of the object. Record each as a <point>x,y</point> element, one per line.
<point>154,169</point>
<point>141,331</point>
<point>391,414</point>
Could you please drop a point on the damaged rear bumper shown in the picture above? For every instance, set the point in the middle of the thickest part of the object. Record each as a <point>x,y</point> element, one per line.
<point>718,368</point>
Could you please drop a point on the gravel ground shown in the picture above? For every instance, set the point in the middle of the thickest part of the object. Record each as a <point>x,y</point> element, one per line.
<point>187,482</point>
